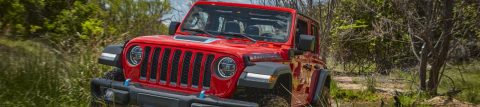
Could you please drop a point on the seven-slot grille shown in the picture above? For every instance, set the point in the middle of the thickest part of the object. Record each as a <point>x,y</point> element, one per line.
<point>172,66</point>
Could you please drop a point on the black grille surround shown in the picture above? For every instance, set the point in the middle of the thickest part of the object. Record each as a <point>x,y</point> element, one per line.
<point>174,67</point>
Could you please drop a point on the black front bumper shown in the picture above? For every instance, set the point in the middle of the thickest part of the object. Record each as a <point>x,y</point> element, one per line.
<point>136,95</point>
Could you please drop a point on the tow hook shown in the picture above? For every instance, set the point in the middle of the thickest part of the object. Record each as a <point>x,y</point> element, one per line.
<point>202,94</point>
<point>126,83</point>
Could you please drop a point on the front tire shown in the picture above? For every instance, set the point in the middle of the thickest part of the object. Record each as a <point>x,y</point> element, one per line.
<point>271,100</point>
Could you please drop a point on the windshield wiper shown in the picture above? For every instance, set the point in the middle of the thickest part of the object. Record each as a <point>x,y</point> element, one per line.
<point>199,31</point>
<point>240,35</point>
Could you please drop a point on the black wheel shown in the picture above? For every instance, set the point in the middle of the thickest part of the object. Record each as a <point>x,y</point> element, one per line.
<point>273,101</point>
<point>324,100</point>
<point>97,92</point>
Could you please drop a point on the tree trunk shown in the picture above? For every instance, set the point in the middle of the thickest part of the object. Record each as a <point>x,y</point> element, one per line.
<point>441,57</point>
<point>423,66</point>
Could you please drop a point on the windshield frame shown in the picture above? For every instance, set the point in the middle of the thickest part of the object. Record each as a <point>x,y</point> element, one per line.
<point>289,27</point>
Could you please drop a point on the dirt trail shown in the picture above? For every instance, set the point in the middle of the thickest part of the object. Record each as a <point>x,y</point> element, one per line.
<point>383,84</point>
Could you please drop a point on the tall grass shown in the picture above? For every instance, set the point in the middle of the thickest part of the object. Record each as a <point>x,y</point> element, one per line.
<point>32,74</point>
<point>465,77</point>
<point>352,95</point>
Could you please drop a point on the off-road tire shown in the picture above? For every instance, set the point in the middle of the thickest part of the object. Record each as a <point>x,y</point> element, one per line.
<point>271,100</point>
<point>116,75</point>
<point>324,100</point>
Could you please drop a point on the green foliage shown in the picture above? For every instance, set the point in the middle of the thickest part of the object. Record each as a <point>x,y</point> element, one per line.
<point>35,75</point>
<point>136,17</point>
<point>358,42</point>
<point>357,24</point>
<point>69,25</point>
<point>52,46</point>
<point>66,24</point>
<point>412,99</point>
<point>24,19</point>
<point>92,27</point>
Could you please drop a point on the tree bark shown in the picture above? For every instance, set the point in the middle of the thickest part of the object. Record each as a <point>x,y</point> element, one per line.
<point>423,66</point>
<point>426,34</point>
<point>441,57</point>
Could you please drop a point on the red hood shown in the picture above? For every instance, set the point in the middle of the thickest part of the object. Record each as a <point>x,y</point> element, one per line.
<point>237,47</point>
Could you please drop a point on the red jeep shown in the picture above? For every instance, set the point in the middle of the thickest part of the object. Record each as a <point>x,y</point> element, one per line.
<point>223,54</point>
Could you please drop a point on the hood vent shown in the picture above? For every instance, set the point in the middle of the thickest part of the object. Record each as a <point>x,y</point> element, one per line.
<point>199,39</point>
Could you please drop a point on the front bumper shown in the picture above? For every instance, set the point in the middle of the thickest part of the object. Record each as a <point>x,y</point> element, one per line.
<point>137,95</point>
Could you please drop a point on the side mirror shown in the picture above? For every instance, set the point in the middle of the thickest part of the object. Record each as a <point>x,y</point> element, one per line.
<point>305,42</point>
<point>173,28</point>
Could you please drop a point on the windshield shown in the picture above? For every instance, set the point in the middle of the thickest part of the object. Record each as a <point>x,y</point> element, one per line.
<point>261,25</point>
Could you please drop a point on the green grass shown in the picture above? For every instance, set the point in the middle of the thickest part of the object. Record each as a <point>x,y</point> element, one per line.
<point>352,95</point>
<point>33,74</point>
<point>413,98</point>
<point>466,77</point>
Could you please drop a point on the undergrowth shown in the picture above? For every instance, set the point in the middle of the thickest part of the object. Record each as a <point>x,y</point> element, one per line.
<point>464,77</point>
<point>352,95</point>
<point>33,74</point>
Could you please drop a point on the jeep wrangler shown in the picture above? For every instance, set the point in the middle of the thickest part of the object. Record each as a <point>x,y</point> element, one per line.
<point>222,54</point>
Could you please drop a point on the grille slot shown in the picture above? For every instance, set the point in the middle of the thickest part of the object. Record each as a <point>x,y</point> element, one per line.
<point>174,72</point>
<point>143,71</point>
<point>166,55</point>
<point>196,69</point>
<point>186,67</point>
<point>153,69</point>
<point>208,69</point>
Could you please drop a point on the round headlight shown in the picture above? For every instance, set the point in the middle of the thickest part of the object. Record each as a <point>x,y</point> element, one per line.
<point>226,67</point>
<point>135,55</point>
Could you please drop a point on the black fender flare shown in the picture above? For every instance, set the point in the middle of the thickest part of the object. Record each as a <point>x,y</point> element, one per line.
<point>272,69</point>
<point>111,55</point>
<point>323,79</point>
